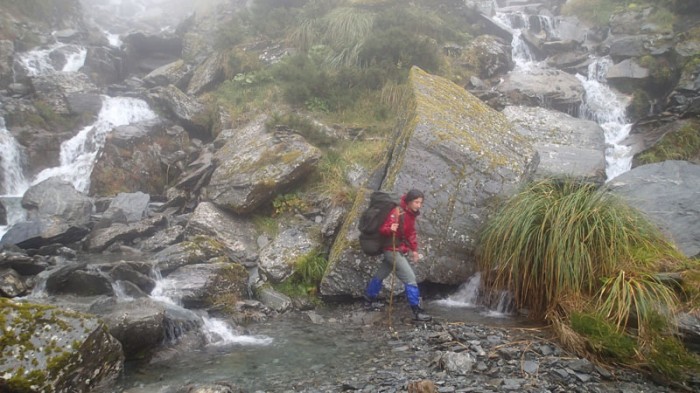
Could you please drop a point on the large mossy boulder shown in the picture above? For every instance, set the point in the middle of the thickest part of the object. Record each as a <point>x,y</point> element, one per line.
<point>257,164</point>
<point>46,349</point>
<point>465,156</point>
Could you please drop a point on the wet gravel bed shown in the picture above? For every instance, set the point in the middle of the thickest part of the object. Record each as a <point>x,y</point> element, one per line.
<point>443,356</point>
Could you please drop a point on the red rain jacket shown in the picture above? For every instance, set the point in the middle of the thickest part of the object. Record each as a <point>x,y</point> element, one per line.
<point>406,238</point>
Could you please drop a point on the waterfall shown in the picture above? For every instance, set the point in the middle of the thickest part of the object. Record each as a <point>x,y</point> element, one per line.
<point>113,39</point>
<point>39,62</point>
<point>216,331</point>
<point>607,108</point>
<point>75,61</point>
<point>521,53</point>
<point>466,295</point>
<point>601,104</point>
<point>13,181</point>
<point>78,153</point>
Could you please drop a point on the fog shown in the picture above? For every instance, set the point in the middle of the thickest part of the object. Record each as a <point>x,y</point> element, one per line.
<point>123,16</point>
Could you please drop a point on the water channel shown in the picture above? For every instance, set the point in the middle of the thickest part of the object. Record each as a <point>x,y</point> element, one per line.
<point>291,347</point>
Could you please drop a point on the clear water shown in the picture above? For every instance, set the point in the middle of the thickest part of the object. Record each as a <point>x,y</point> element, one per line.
<point>296,349</point>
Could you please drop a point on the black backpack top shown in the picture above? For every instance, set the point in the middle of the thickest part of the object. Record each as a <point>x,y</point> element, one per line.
<point>380,205</point>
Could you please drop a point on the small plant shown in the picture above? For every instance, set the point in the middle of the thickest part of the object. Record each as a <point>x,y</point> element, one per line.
<point>289,203</point>
<point>315,104</point>
<point>310,267</point>
<point>308,272</point>
<point>332,183</point>
<point>631,293</point>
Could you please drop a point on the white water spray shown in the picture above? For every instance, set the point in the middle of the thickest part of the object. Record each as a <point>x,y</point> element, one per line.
<point>216,331</point>
<point>607,108</point>
<point>13,181</point>
<point>466,296</point>
<point>39,61</point>
<point>78,153</point>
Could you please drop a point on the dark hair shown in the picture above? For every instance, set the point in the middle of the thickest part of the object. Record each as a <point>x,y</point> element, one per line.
<point>413,194</point>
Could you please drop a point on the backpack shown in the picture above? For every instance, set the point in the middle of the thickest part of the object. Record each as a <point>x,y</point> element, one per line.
<point>380,205</point>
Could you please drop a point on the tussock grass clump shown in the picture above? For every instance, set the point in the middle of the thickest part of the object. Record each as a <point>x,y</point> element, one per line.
<point>582,260</point>
<point>308,272</point>
<point>567,235</point>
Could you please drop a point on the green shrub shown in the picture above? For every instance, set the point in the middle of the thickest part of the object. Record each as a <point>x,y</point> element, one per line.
<point>308,272</point>
<point>231,34</point>
<point>398,49</point>
<point>310,268</point>
<point>289,203</point>
<point>273,18</point>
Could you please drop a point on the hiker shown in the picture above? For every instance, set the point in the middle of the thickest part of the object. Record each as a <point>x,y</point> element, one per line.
<point>399,231</point>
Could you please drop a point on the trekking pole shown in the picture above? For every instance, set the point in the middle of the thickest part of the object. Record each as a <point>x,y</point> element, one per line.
<point>393,274</point>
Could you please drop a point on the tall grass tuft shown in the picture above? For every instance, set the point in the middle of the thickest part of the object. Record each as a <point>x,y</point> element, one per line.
<point>560,237</point>
<point>638,294</point>
<point>579,258</point>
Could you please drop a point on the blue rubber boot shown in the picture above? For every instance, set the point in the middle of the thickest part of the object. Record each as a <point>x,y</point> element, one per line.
<point>373,288</point>
<point>413,296</point>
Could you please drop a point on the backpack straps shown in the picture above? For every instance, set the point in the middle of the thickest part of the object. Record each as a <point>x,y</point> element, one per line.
<point>399,231</point>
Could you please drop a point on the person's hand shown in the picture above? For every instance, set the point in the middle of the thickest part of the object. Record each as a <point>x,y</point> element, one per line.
<point>415,256</point>
<point>394,226</point>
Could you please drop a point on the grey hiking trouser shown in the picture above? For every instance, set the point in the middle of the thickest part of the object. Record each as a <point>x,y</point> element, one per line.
<point>403,269</point>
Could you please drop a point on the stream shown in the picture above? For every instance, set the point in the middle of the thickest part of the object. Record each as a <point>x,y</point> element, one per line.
<point>288,350</point>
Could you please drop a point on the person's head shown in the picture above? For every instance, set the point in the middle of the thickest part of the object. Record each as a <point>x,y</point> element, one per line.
<point>414,199</point>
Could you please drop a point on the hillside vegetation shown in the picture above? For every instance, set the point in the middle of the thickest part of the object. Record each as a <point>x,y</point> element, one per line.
<point>596,270</point>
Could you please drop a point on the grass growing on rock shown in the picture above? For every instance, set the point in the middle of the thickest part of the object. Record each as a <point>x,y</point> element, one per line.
<point>683,144</point>
<point>581,259</point>
<point>308,272</point>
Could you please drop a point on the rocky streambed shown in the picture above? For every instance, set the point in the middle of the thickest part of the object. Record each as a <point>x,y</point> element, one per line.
<point>345,349</point>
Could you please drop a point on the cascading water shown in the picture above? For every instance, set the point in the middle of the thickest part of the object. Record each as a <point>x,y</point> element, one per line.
<point>600,104</point>
<point>13,182</point>
<point>77,158</point>
<point>78,153</point>
<point>39,62</point>
<point>607,108</point>
<point>216,331</point>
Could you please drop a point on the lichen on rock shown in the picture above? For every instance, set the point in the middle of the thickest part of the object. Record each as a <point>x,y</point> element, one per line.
<point>47,349</point>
